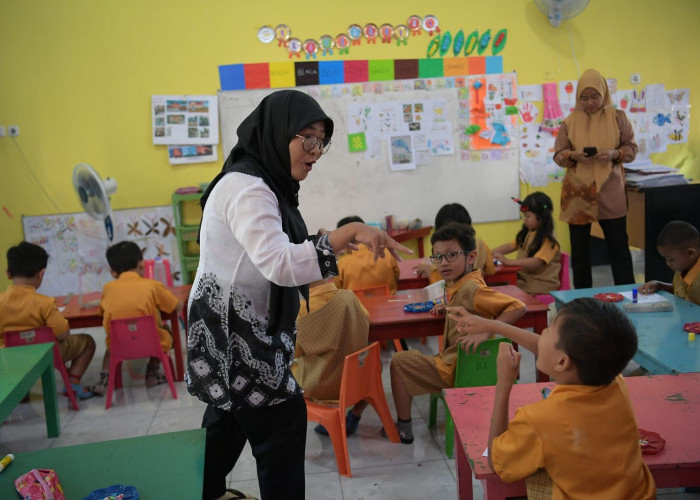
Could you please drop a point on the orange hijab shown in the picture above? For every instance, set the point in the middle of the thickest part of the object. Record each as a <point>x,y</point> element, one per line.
<point>597,129</point>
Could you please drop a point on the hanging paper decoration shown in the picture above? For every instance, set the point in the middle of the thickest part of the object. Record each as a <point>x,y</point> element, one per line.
<point>446,42</point>
<point>371,32</point>
<point>282,33</point>
<point>472,129</point>
<point>430,24</point>
<point>499,41</point>
<point>401,32</point>
<point>552,117</point>
<point>459,42</point>
<point>386,31</point>
<point>342,41</point>
<point>470,43</point>
<point>266,34</point>
<point>433,46</point>
<point>310,47</point>
<point>294,47</point>
<point>355,34</point>
<point>484,41</point>
<point>414,24</point>
<point>326,44</point>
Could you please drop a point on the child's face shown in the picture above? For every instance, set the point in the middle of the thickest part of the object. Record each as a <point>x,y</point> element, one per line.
<point>461,261</point>
<point>678,259</point>
<point>531,220</point>
<point>549,356</point>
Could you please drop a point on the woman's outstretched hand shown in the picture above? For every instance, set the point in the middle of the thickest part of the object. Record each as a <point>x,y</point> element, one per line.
<point>375,239</point>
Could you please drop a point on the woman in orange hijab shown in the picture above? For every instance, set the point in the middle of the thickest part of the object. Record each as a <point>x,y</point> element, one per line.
<point>594,186</point>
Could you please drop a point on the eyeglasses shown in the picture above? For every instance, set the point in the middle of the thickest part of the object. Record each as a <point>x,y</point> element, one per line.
<point>311,142</point>
<point>449,257</point>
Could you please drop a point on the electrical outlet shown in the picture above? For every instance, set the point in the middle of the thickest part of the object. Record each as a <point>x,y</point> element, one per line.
<point>13,130</point>
<point>2,131</point>
<point>635,78</point>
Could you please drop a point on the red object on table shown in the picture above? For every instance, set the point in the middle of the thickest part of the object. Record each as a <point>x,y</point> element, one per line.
<point>608,297</point>
<point>667,403</point>
<point>412,234</point>
<point>651,442</point>
<point>79,317</point>
<point>692,327</point>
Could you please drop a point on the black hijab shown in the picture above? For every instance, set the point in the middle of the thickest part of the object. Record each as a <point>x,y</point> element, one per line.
<point>263,151</point>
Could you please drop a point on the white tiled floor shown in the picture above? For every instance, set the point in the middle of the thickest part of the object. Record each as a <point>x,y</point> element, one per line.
<point>381,469</point>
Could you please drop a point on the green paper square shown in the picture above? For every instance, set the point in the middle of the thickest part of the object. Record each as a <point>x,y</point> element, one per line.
<point>430,68</point>
<point>357,142</point>
<point>381,70</point>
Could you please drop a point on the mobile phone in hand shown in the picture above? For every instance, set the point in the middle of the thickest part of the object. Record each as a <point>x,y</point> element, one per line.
<point>590,151</point>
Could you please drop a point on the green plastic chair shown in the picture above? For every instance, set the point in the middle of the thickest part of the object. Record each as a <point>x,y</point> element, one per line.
<point>472,370</point>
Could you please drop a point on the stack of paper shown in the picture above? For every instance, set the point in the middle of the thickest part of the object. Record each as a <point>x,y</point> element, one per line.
<point>644,173</point>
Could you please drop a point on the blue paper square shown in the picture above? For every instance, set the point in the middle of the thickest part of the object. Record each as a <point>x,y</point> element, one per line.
<point>331,72</point>
<point>231,77</point>
<point>494,64</point>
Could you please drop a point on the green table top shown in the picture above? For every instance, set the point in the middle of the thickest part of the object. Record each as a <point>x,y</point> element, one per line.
<point>20,368</point>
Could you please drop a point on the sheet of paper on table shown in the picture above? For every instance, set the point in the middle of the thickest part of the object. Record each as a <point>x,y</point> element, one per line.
<point>645,299</point>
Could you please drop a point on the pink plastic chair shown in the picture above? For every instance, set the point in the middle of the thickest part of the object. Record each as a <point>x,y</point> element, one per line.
<point>148,266</point>
<point>44,335</point>
<point>564,280</point>
<point>134,338</point>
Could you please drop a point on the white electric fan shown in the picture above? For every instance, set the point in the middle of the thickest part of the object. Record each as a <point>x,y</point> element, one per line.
<point>558,10</point>
<point>94,194</point>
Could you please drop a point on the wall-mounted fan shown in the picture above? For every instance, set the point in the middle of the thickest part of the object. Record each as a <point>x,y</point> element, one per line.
<point>94,194</point>
<point>558,10</point>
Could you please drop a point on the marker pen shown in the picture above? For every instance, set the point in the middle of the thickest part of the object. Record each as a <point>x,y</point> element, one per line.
<point>634,295</point>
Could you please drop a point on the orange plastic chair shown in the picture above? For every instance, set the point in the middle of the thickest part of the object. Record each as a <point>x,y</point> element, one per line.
<point>134,338</point>
<point>44,335</point>
<point>361,380</point>
<point>378,291</point>
<point>564,280</point>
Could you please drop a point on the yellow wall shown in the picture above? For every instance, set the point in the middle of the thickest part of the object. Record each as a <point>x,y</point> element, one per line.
<point>77,77</point>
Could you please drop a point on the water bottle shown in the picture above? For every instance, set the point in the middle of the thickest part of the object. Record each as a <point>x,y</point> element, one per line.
<point>159,273</point>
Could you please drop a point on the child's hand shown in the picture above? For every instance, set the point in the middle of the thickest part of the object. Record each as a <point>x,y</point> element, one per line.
<point>649,287</point>
<point>469,323</point>
<point>508,363</point>
<point>473,341</point>
<point>423,269</point>
<point>440,308</point>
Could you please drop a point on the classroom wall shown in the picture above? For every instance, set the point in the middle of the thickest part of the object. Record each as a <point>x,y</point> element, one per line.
<point>77,77</point>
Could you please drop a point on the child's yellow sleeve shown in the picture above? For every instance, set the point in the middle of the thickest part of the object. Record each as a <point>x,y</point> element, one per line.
<point>517,452</point>
<point>165,300</point>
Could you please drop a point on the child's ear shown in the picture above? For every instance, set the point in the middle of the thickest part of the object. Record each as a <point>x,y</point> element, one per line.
<point>9,275</point>
<point>692,252</point>
<point>471,257</point>
<point>113,273</point>
<point>564,363</point>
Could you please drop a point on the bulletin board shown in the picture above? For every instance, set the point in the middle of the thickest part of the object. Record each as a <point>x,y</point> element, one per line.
<point>361,183</point>
<point>76,244</point>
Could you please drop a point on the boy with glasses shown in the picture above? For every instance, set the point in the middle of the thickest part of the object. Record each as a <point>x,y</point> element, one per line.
<point>414,373</point>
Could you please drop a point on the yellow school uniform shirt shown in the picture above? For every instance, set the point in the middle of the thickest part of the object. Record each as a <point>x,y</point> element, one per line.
<point>688,287</point>
<point>587,439</point>
<point>358,270</point>
<point>22,308</point>
<point>484,262</point>
<point>131,295</point>
<point>546,278</point>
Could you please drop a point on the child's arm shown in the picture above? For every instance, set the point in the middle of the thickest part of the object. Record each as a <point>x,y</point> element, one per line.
<point>654,285</point>
<point>508,369</point>
<point>504,249</point>
<point>57,322</point>
<point>473,340</point>
<point>528,264</point>
<point>471,324</point>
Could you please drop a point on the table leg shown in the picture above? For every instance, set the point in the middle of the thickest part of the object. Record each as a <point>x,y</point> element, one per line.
<point>464,471</point>
<point>177,345</point>
<point>48,386</point>
<point>420,247</point>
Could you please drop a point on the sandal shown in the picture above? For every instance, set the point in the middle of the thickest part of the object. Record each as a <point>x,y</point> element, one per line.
<point>239,494</point>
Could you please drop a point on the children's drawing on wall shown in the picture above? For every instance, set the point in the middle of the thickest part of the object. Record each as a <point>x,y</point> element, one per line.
<point>401,149</point>
<point>185,119</point>
<point>186,154</point>
<point>492,124</point>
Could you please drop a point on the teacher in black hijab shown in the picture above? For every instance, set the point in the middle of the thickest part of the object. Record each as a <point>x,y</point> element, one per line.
<point>256,257</point>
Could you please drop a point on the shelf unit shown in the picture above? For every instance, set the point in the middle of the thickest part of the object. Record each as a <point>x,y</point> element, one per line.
<point>187,213</point>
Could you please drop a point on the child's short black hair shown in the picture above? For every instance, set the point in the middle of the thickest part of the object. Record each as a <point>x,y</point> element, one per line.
<point>454,212</point>
<point>348,220</point>
<point>452,230</point>
<point>124,256</point>
<point>598,337</point>
<point>678,234</point>
<point>26,259</point>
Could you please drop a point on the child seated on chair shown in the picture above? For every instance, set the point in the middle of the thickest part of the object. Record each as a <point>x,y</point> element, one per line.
<point>414,373</point>
<point>130,295</point>
<point>335,325</point>
<point>22,308</point>
<point>358,269</point>
<point>679,243</point>
<point>584,434</point>
<point>538,250</point>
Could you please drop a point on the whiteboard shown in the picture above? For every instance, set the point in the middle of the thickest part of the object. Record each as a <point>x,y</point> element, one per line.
<point>344,183</point>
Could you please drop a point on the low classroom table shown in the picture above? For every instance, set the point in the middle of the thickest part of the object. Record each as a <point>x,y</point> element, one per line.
<point>409,280</point>
<point>663,346</point>
<point>161,466</point>
<point>20,367</point>
<point>79,317</point>
<point>665,404</point>
<point>412,234</point>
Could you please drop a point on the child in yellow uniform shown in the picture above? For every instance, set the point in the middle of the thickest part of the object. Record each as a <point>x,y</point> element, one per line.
<point>584,434</point>
<point>538,251</point>
<point>679,243</point>
<point>359,269</point>
<point>22,308</point>
<point>414,373</point>
<point>130,295</point>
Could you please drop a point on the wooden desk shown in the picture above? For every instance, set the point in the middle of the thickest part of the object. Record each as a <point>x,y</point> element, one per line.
<point>79,317</point>
<point>409,280</point>
<point>161,466</point>
<point>663,345</point>
<point>412,234</point>
<point>20,367</point>
<point>666,404</point>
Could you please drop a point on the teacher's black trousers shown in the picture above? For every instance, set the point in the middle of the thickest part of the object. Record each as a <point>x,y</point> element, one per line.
<point>277,436</point>
<point>615,232</point>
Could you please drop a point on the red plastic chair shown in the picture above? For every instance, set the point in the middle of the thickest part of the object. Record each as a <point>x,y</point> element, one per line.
<point>134,338</point>
<point>361,380</point>
<point>44,335</point>
<point>148,267</point>
<point>564,280</point>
